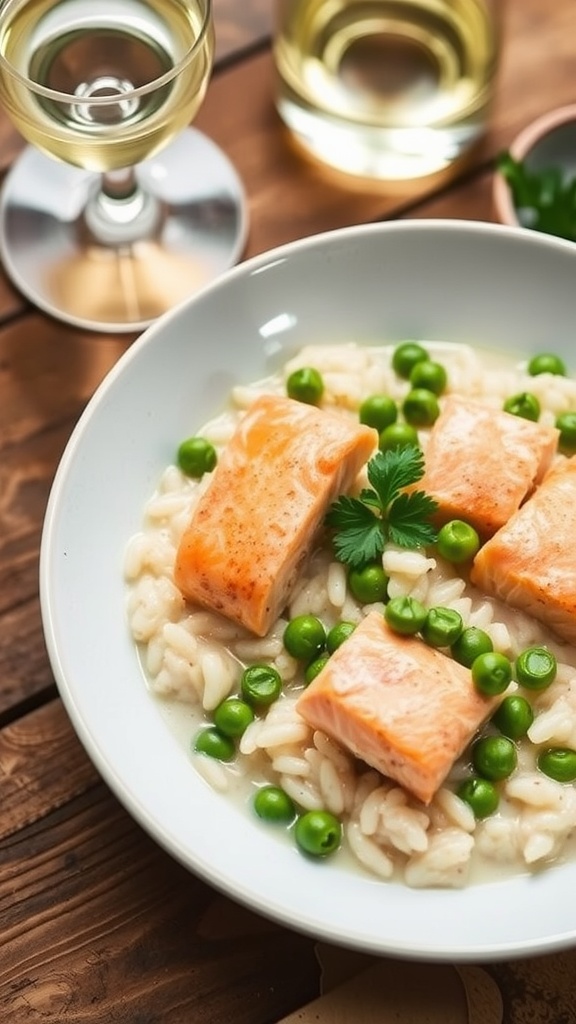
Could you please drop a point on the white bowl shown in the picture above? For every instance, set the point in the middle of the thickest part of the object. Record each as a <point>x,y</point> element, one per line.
<point>484,284</point>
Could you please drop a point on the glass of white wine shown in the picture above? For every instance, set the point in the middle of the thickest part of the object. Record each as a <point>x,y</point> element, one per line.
<point>117,210</point>
<point>387,90</point>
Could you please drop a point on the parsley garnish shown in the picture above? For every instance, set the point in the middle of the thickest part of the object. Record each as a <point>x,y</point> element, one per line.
<point>386,512</point>
<point>544,199</point>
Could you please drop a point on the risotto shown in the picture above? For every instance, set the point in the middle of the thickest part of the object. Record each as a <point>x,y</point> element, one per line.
<point>193,659</point>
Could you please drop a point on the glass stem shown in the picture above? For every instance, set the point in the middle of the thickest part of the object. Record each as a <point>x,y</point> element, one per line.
<point>120,184</point>
<point>121,212</point>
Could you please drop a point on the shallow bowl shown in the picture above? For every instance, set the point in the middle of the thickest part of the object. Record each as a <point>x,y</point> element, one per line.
<point>495,287</point>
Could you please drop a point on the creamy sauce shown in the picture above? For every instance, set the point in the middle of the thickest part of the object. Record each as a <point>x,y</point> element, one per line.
<point>490,375</point>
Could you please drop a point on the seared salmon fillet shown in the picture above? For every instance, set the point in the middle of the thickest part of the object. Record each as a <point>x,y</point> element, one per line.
<point>530,562</point>
<point>481,463</point>
<point>260,515</point>
<point>404,708</point>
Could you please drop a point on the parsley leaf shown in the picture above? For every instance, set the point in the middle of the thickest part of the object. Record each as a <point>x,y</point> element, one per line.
<point>386,512</point>
<point>408,517</point>
<point>390,471</point>
<point>545,199</point>
<point>359,538</point>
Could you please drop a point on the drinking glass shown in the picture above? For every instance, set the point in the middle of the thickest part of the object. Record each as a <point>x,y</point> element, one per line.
<point>117,210</point>
<point>387,89</point>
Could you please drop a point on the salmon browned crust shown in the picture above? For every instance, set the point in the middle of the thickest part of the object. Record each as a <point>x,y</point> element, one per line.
<point>403,707</point>
<point>481,463</point>
<point>531,562</point>
<point>259,517</point>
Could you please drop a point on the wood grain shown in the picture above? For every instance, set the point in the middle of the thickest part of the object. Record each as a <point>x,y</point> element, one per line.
<point>97,923</point>
<point>47,374</point>
<point>26,674</point>
<point>33,751</point>
<point>240,26</point>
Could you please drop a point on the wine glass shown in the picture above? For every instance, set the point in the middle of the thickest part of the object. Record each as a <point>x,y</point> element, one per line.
<point>118,210</point>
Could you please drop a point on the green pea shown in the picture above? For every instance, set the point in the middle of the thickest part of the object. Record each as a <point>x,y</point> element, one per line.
<point>315,667</point>
<point>494,757</point>
<point>305,637</point>
<point>457,541</point>
<point>272,804</point>
<point>260,684</point>
<point>524,405</point>
<point>491,673</point>
<point>546,362</point>
<point>535,668</point>
<point>305,385</point>
<point>405,356</point>
<point>405,615</point>
<point>215,744</point>
<point>338,634</point>
<point>558,763</point>
<point>514,716</point>
<point>318,833</point>
<point>398,435</point>
<point>421,408</point>
<point>480,795</point>
<point>196,456</point>
<point>369,583</point>
<point>378,411</point>
<point>442,627</point>
<point>429,375</point>
<point>471,642</point>
<point>233,716</point>
<point>566,424</point>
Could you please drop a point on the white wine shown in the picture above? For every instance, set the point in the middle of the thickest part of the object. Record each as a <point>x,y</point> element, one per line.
<point>386,88</point>
<point>86,58</point>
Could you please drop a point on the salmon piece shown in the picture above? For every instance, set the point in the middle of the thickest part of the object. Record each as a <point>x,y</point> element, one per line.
<point>530,562</point>
<point>260,515</point>
<point>481,463</point>
<point>404,708</point>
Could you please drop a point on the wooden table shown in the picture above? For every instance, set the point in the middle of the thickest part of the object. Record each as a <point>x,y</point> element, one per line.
<point>97,924</point>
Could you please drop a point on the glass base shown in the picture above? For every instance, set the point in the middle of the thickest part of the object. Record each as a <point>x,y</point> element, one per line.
<point>378,154</point>
<point>52,259</point>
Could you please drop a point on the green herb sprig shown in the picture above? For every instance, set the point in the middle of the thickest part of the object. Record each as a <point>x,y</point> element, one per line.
<point>385,512</point>
<point>545,199</point>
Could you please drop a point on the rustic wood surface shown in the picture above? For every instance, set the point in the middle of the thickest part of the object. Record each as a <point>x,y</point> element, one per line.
<point>97,924</point>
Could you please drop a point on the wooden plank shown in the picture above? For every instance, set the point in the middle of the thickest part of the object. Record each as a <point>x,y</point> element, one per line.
<point>25,672</point>
<point>99,924</point>
<point>537,990</point>
<point>11,301</point>
<point>469,200</point>
<point>539,63</point>
<point>48,371</point>
<point>47,374</point>
<point>33,752</point>
<point>240,26</point>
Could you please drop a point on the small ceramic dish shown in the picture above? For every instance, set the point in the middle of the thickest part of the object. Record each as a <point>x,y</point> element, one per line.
<point>548,142</point>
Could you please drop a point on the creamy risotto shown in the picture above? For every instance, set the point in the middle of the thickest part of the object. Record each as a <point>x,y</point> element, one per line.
<point>193,659</point>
